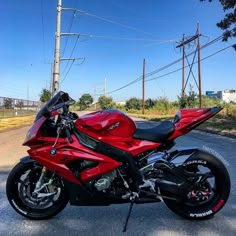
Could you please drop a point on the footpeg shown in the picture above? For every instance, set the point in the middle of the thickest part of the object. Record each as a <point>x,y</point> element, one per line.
<point>148,183</point>
<point>126,196</point>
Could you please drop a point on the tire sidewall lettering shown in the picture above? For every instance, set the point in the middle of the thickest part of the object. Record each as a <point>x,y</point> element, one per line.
<point>197,161</point>
<point>203,214</point>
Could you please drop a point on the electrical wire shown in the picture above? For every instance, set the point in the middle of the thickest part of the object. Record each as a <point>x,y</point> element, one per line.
<point>140,78</point>
<point>178,60</point>
<point>211,55</point>
<point>42,21</point>
<point>132,82</point>
<point>67,72</point>
<point>115,23</point>
<point>69,30</point>
<point>130,39</point>
<point>71,54</point>
<point>70,26</point>
<point>70,69</point>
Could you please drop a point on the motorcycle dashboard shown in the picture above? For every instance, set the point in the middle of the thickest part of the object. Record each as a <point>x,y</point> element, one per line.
<point>58,101</point>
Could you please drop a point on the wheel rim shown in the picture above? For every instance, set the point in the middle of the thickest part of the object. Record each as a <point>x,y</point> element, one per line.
<point>26,183</point>
<point>204,186</point>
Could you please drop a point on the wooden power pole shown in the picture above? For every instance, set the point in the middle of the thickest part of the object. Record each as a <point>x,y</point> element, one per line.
<point>199,66</point>
<point>143,88</point>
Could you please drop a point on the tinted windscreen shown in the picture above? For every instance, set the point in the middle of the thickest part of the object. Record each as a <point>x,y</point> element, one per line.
<point>56,102</point>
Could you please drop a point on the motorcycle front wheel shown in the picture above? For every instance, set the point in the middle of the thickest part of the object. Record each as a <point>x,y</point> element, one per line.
<point>20,188</point>
<point>209,191</point>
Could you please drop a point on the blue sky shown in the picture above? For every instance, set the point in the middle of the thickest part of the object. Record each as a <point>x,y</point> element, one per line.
<point>122,33</point>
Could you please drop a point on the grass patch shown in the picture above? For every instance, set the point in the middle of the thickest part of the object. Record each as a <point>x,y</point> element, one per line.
<point>224,125</point>
<point>8,113</point>
<point>15,122</point>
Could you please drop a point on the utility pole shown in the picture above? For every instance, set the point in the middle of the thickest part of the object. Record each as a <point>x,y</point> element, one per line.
<point>183,68</point>
<point>28,96</point>
<point>51,79</point>
<point>56,68</point>
<point>57,59</point>
<point>143,88</point>
<point>199,66</point>
<point>105,87</point>
<point>94,97</point>
<point>198,83</point>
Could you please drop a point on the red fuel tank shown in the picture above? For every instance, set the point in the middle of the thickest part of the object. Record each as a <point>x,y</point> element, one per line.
<point>107,122</point>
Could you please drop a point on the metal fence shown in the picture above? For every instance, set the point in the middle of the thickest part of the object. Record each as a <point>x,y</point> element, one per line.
<point>12,107</point>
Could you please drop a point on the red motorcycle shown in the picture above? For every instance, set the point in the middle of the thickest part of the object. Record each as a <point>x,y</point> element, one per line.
<point>102,158</point>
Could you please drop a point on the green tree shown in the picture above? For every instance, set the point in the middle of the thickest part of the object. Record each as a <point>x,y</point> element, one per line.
<point>149,103</point>
<point>162,105</point>
<point>8,102</point>
<point>182,100</point>
<point>45,95</point>
<point>85,101</point>
<point>133,103</point>
<point>190,100</point>
<point>106,102</point>
<point>228,23</point>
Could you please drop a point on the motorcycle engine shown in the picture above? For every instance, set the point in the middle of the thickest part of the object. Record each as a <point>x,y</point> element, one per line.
<point>105,181</point>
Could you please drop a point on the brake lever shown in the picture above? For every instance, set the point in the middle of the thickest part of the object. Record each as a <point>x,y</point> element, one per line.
<point>66,123</point>
<point>53,149</point>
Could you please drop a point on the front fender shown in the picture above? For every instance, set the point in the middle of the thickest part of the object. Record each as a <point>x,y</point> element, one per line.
<point>26,159</point>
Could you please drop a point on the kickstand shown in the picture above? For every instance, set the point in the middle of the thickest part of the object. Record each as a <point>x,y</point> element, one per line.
<point>129,213</point>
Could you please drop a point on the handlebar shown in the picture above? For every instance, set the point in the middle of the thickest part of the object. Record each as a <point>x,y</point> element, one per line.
<point>67,131</point>
<point>66,124</point>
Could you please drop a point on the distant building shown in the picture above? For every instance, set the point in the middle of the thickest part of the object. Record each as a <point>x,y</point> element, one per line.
<point>228,95</point>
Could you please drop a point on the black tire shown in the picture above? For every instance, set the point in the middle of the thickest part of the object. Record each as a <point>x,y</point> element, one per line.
<point>203,207</point>
<point>20,186</point>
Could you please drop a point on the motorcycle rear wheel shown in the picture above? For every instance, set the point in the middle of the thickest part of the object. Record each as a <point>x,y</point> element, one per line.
<point>205,198</point>
<point>20,185</point>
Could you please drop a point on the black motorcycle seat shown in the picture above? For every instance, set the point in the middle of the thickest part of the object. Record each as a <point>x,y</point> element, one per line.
<point>157,133</point>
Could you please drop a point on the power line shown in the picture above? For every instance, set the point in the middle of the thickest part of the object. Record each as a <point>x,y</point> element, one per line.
<point>71,54</point>
<point>178,60</point>
<point>193,63</point>
<point>42,21</point>
<point>67,71</point>
<point>111,21</point>
<point>140,78</point>
<point>70,68</point>
<point>132,82</point>
<point>69,30</point>
<point>130,39</point>
<point>70,27</point>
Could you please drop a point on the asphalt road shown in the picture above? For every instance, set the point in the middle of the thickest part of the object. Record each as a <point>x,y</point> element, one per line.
<point>149,219</point>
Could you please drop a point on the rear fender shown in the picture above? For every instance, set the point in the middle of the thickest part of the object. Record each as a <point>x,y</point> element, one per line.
<point>183,154</point>
<point>187,156</point>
